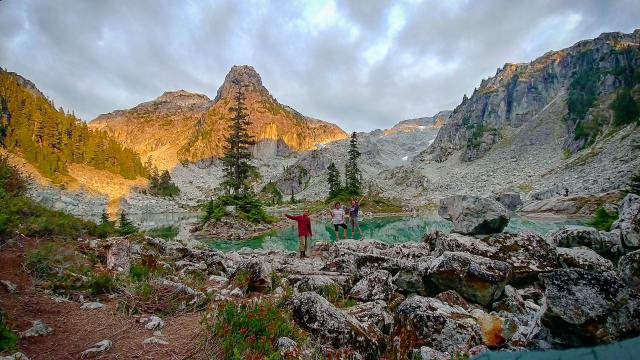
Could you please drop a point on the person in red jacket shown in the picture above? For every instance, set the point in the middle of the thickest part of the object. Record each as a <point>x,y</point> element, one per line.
<point>304,230</point>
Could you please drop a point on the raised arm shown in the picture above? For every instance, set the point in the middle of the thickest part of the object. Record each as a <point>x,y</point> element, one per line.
<point>290,216</point>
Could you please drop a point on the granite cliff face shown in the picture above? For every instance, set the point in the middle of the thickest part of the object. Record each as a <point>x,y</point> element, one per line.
<point>182,126</point>
<point>518,93</point>
<point>429,122</point>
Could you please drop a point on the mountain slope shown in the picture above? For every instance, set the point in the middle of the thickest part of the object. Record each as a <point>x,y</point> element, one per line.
<point>590,72</point>
<point>180,126</point>
<point>50,139</point>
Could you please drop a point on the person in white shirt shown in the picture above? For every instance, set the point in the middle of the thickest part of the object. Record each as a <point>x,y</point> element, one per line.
<point>337,218</point>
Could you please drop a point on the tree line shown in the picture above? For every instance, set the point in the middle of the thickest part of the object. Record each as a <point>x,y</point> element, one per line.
<point>50,138</point>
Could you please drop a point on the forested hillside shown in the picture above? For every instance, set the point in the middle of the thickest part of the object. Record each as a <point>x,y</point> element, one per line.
<point>49,138</point>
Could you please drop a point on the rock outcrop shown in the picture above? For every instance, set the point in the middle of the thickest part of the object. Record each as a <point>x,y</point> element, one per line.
<point>628,222</point>
<point>474,215</point>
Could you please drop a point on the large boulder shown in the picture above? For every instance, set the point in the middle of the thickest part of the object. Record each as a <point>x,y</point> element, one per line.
<point>257,273</point>
<point>586,308</point>
<point>474,215</point>
<point>524,308</point>
<point>510,200</point>
<point>476,278</point>
<point>332,325</point>
<point>318,283</point>
<point>629,269</point>
<point>427,321</point>
<point>377,285</point>
<point>576,235</point>
<point>584,258</point>
<point>528,254</point>
<point>359,257</point>
<point>410,277</point>
<point>373,313</point>
<point>629,221</point>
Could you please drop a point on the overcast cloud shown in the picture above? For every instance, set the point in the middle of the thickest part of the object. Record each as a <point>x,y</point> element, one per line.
<point>363,64</point>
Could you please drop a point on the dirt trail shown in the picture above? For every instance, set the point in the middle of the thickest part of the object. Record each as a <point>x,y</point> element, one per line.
<point>75,330</point>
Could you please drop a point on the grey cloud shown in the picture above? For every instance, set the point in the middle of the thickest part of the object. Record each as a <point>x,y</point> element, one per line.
<point>97,56</point>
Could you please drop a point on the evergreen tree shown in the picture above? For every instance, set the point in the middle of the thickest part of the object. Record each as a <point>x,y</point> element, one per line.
<point>104,218</point>
<point>126,226</point>
<point>333,178</point>
<point>237,168</point>
<point>353,176</point>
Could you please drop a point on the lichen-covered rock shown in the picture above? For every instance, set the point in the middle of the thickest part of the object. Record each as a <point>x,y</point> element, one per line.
<point>330,324</point>
<point>97,349</point>
<point>629,221</point>
<point>583,258</point>
<point>373,313</point>
<point>519,307</point>
<point>288,348</point>
<point>410,277</point>
<point>258,272</point>
<point>451,297</point>
<point>319,284</point>
<point>38,328</point>
<point>427,353</point>
<point>476,278</point>
<point>119,253</point>
<point>629,269</point>
<point>576,235</point>
<point>377,285</point>
<point>359,257</point>
<point>474,215</point>
<point>586,308</point>
<point>528,254</point>
<point>426,321</point>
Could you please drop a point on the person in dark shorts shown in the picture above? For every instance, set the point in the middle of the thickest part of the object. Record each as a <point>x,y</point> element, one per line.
<point>304,230</point>
<point>337,219</point>
<point>354,216</point>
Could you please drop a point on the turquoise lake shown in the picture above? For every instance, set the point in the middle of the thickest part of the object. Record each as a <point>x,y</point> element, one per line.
<point>393,229</point>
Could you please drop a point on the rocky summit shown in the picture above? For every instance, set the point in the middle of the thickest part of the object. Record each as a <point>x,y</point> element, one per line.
<point>182,126</point>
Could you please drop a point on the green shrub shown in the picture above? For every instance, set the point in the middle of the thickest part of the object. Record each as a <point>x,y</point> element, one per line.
<point>252,329</point>
<point>167,232</point>
<point>101,284</point>
<point>139,272</point>
<point>126,227</point>
<point>625,108</point>
<point>602,219</point>
<point>8,337</point>
<point>248,207</point>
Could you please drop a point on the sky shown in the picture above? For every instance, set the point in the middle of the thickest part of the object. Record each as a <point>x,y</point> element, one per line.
<point>363,64</point>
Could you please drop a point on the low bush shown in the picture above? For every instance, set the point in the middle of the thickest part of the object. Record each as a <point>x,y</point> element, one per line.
<point>101,284</point>
<point>8,337</point>
<point>251,330</point>
<point>248,207</point>
<point>603,219</point>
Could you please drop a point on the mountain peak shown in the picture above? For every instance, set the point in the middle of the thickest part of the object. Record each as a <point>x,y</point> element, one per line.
<point>243,75</point>
<point>182,97</point>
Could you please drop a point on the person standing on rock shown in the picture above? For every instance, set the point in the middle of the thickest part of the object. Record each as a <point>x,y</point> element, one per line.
<point>337,218</point>
<point>304,230</point>
<point>354,211</point>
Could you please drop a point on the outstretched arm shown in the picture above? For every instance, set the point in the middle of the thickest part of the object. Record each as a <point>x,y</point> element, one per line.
<point>289,217</point>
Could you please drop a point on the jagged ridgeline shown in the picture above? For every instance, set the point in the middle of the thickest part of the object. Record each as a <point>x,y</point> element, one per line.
<point>593,86</point>
<point>49,138</point>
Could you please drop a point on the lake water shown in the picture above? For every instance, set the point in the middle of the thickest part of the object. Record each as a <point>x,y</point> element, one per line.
<point>393,229</point>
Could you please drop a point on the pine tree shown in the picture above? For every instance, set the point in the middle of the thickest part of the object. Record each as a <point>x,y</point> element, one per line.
<point>353,176</point>
<point>104,218</point>
<point>333,178</point>
<point>237,168</point>
<point>126,226</point>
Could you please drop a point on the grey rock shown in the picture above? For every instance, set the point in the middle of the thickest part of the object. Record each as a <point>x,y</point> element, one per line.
<point>629,269</point>
<point>377,285</point>
<point>587,307</point>
<point>576,235</point>
<point>91,305</point>
<point>38,328</point>
<point>373,313</point>
<point>476,278</point>
<point>474,215</point>
<point>286,346</point>
<point>584,258</point>
<point>15,356</point>
<point>11,287</point>
<point>259,272</point>
<point>155,323</point>
<point>97,349</point>
<point>427,353</point>
<point>154,341</point>
<point>629,221</point>
<point>435,324</point>
<point>330,324</point>
<point>318,283</point>
<point>410,277</point>
<point>510,200</point>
